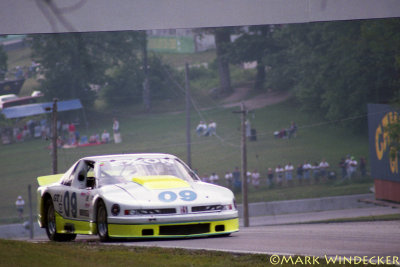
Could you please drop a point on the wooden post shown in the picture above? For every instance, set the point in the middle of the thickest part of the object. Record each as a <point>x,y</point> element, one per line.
<point>54,137</point>
<point>244,168</point>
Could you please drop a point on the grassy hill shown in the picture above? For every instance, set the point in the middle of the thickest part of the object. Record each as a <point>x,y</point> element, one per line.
<point>23,162</point>
<point>164,131</point>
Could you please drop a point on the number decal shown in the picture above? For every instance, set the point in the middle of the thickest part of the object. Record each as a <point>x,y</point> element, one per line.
<point>66,203</point>
<point>187,195</point>
<point>169,196</point>
<point>74,206</point>
<point>70,204</point>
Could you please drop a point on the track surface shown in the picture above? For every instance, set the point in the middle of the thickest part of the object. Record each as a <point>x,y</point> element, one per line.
<point>342,239</point>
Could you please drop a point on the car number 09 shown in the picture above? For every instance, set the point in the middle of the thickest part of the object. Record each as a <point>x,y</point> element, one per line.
<point>70,204</point>
<point>169,196</point>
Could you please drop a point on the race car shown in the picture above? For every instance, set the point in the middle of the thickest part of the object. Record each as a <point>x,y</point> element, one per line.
<point>133,196</point>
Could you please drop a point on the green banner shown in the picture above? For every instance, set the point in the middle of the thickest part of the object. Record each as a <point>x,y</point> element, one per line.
<point>171,44</point>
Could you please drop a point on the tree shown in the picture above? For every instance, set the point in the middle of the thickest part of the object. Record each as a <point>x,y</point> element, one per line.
<point>3,63</point>
<point>338,67</point>
<point>254,44</point>
<point>223,45</point>
<point>71,64</point>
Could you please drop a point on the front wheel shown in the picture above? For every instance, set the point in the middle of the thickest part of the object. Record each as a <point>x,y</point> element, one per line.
<point>51,229</point>
<point>102,225</point>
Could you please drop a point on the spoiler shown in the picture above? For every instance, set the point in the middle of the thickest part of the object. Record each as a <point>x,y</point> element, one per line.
<point>49,179</point>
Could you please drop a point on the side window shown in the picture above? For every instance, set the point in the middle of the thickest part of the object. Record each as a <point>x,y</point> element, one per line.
<point>69,175</point>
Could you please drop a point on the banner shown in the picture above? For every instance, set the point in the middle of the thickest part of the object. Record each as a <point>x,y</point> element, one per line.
<point>382,165</point>
<point>171,44</point>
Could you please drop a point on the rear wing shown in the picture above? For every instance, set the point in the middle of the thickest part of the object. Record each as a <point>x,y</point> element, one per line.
<point>49,179</point>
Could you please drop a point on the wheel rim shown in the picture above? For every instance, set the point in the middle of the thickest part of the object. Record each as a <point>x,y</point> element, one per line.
<point>51,220</point>
<point>102,221</point>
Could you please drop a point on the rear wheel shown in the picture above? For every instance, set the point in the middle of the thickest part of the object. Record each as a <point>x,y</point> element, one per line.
<point>102,225</point>
<point>51,229</point>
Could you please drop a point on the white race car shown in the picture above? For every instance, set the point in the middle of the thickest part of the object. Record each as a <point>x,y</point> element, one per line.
<point>133,196</point>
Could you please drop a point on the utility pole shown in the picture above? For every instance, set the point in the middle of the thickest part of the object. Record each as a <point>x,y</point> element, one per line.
<point>188,141</point>
<point>54,137</point>
<point>243,111</point>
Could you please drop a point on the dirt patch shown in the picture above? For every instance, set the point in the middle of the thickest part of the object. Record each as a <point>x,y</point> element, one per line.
<point>256,102</point>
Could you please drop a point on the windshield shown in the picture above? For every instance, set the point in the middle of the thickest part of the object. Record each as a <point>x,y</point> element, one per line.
<point>124,170</point>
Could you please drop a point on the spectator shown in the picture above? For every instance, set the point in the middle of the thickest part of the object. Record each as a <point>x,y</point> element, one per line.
<point>255,178</point>
<point>289,173</point>
<point>205,178</point>
<point>323,166</point>
<point>20,203</point>
<point>292,129</point>
<point>201,129</point>
<point>71,131</point>
<point>228,179</point>
<point>116,131</point>
<point>212,128</point>
<point>342,165</point>
<point>279,175</point>
<point>105,137</point>
<point>270,176</point>
<point>214,178</point>
<point>353,167</point>
<point>316,172</point>
<point>237,183</point>
<point>299,172</point>
<point>306,171</point>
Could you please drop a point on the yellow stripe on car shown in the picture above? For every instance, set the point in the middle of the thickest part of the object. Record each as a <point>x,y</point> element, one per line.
<point>160,182</point>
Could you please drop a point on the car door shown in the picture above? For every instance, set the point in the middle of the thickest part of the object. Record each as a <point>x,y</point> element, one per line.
<point>79,196</point>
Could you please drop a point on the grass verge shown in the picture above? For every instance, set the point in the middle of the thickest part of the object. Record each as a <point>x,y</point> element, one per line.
<point>18,253</point>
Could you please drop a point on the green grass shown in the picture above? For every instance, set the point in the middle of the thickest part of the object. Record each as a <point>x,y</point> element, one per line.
<point>18,253</point>
<point>163,130</point>
<point>23,162</point>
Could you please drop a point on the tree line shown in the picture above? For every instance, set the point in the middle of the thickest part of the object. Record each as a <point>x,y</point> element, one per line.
<point>333,68</point>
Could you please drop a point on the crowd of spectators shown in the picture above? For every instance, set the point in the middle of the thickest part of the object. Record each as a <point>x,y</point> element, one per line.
<point>289,174</point>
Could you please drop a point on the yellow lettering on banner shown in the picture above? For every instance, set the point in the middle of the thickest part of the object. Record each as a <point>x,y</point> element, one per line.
<point>396,260</point>
<point>394,164</point>
<point>379,146</point>
<point>382,140</point>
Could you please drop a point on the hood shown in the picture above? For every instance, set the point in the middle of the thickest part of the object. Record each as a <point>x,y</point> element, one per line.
<point>163,191</point>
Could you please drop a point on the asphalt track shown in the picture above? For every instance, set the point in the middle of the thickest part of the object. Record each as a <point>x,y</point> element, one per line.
<point>291,234</point>
<point>341,239</point>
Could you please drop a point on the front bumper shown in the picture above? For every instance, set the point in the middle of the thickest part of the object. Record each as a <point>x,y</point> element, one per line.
<point>172,230</point>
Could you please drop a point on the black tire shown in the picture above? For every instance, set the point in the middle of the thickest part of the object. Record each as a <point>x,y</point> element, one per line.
<point>101,219</point>
<point>50,221</point>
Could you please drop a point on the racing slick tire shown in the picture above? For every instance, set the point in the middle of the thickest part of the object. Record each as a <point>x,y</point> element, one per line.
<point>50,222</point>
<point>102,225</point>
